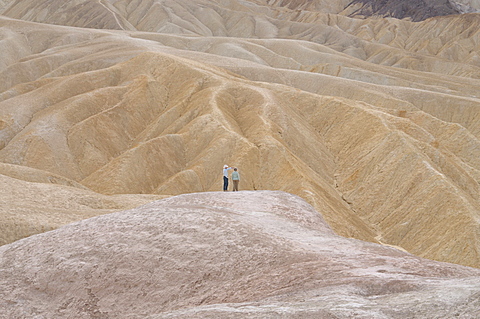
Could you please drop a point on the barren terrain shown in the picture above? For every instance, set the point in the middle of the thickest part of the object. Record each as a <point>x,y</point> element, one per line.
<point>369,113</point>
<point>107,105</point>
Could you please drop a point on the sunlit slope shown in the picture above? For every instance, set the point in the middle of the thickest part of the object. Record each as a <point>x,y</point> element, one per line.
<point>120,114</point>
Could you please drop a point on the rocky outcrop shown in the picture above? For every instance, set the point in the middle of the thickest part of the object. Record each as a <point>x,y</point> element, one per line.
<point>223,255</point>
<point>414,10</point>
<point>466,6</point>
<point>417,10</point>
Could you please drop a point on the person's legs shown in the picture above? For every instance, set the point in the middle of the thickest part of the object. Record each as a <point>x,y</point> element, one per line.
<point>235,185</point>
<point>225,183</point>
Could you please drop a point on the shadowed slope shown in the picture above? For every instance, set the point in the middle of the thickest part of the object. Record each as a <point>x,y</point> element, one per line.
<point>223,255</point>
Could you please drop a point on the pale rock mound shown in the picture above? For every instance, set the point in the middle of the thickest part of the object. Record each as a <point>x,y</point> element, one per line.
<point>466,6</point>
<point>224,255</point>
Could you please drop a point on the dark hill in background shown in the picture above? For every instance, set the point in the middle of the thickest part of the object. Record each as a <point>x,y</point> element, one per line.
<point>417,10</point>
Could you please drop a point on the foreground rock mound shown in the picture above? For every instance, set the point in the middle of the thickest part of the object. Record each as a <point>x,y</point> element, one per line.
<point>224,255</point>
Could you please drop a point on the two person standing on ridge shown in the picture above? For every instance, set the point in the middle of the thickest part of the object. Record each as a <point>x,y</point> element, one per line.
<point>235,178</point>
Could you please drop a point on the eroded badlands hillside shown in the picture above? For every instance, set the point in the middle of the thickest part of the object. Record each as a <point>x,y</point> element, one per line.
<point>375,122</point>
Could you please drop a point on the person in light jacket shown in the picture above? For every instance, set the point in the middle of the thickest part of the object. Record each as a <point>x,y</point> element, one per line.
<point>225,177</point>
<point>235,179</point>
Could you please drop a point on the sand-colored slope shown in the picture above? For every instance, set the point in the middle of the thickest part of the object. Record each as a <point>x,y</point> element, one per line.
<point>309,20</point>
<point>148,113</point>
<point>446,46</point>
<point>48,201</point>
<point>319,69</point>
<point>155,145</point>
<point>224,255</point>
